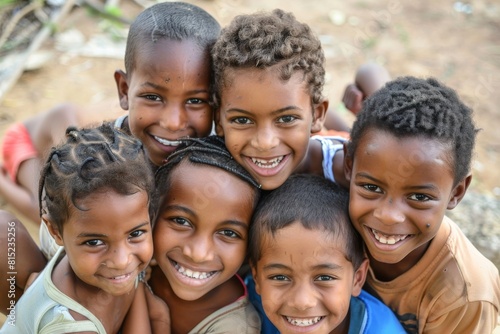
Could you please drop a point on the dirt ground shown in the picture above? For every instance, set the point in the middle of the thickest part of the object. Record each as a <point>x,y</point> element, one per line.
<point>458,43</point>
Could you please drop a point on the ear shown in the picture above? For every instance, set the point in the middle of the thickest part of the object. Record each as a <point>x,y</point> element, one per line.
<point>218,127</point>
<point>359,278</point>
<point>122,86</point>
<point>256,281</point>
<point>53,230</point>
<point>319,115</point>
<point>347,164</point>
<point>459,191</point>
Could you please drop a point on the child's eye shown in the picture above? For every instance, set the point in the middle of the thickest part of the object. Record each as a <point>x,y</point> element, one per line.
<point>229,233</point>
<point>286,119</point>
<point>195,101</point>
<point>420,197</point>
<point>372,188</point>
<point>152,97</point>
<point>279,278</point>
<point>181,221</point>
<point>137,233</point>
<point>241,120</point>
<point>325,278</point>
<point>94,243</point>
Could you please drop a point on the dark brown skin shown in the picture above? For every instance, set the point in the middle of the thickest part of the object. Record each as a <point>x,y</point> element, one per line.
<point>185,315</point>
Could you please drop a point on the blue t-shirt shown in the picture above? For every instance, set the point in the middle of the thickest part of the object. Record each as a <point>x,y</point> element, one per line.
<point>368,314</point>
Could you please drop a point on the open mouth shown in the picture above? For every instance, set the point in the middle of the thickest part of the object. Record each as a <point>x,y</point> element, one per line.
<point>304,322</point>
<point>167,142</point>
<point>388,239</point>
<point>271,163</point>
<point>191,273</point>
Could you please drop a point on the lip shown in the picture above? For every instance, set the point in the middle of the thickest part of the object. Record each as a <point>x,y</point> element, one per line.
<point>398,239</point>
<point>271,169</point>
<point>120,279</point>
<point>162,147</point>
<point>302,329</point>
<point>187,276</point>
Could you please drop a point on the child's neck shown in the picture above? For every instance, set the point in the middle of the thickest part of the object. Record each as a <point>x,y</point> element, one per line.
<point>110,310</point>
<point>185,315</point>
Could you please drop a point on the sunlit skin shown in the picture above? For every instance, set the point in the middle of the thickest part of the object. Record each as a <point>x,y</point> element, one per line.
<point>107,245</point>
<point>306,281</point>
<point>200,240</point>
<point>400,189</point>
<point>267,122</point>
<point>167,95</point>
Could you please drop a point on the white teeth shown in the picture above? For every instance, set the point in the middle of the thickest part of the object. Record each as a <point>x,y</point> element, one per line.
<point>120,277</point>
<point>167,142</point>
<point>388,239</point>
<point>301,322</point>
<point>267,163</point>
<point>193,274</point>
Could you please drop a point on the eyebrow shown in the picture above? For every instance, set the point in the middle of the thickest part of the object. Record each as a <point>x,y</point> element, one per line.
<point>235,223</point>
<point>275,112</point>
<point>180,208</point>
<point>330,266</point>
<point>159,87</point>
<point>99,235</point>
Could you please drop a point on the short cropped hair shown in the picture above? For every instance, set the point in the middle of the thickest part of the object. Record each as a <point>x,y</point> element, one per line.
<point>409,106</point>
<point>314,202</point>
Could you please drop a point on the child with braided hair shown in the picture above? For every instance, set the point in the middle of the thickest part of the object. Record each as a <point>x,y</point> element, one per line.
<point>96,198</point>
<point>200,239</point>
<point>166,102</point>
<point>408,161</point>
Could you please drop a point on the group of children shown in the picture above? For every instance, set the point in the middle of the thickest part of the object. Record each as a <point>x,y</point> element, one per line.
<point>380,257</point>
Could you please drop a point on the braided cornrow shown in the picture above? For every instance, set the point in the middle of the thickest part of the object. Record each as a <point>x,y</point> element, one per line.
<point>262,40</point>
<point>209,151</point>
<point>410,106</point>
<point>90,160</point>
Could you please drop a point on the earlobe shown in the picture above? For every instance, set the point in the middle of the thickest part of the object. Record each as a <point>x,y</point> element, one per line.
<point>347,164</point>
<point>360,278</point>
<point>319,115</point>
<point>218,127</point>
<point>53,230</point>
<point>459,192</point>
<point>256,282</point>
<point>122,86</point>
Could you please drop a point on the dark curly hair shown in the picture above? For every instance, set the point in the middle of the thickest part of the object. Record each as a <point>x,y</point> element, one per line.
<point>410,106</point>
<point>262,40</point>
<point>92,159</point>
<point>170,20</point>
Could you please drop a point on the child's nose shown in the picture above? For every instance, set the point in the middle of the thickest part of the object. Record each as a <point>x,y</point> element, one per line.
<point>174,117</point>
<point>118,258</point>
<point>266,138</point>
<point>199,250</point>
<point>302,296</point>
<point>389,212</point>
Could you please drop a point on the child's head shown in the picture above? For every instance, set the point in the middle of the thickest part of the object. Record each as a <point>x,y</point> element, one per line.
<point>167,85</point>
<point>201,232</point>
<point>307,259</point>
<point>408,161</point>
<point>95,195</point>
<point>269,75</point>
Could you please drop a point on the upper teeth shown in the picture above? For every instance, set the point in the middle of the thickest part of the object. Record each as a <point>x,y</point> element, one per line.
<point>167,142</point>
<point>193,274</point>
<point>120,277</point>
<point>303,322</point>
<point>267,163</point>
<point>388,239</point>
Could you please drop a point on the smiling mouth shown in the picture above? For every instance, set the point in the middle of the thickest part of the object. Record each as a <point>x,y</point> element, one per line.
<point>167,142</point>
<point>388,239</point>
<point>263,163</point>
<point>191,273</point>
<point>304,322</point>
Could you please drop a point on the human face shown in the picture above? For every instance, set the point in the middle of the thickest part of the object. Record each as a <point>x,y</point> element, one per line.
<point>267,122</point>
<point>167,95</point>
<point>306,281</point>
<point>109,242</point>
<point>200,235</point>
<point>400,189</point>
